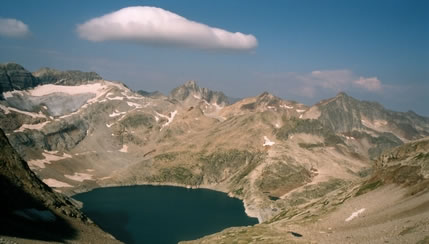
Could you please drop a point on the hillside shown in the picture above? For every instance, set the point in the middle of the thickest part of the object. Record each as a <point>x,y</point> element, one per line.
<point>280,157</point>
<point>31,210</point>
<point>391,207</point>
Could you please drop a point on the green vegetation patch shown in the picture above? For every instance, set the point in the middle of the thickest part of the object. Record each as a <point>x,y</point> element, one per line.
<point>280,178</point>
<point>220,165</point>
<point>310,145</point>
<point>319,190</point>
<point>137,120</point>
<point>179,175</point>
<point>369,186</point>
<point>309,126</point>
<point>167,157</point>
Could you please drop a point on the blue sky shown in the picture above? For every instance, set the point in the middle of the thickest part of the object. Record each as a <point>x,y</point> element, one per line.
<point>304,50</point>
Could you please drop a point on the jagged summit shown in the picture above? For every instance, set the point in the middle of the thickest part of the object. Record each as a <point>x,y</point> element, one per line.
<point>342,94</point>
<point>279,156</point>
<point>191,83</point>
<point>191,90</point>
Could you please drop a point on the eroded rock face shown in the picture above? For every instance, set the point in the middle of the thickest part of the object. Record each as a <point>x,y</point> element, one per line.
<point>22,189</point>
<point>15,77</point>
<point>270,152</point>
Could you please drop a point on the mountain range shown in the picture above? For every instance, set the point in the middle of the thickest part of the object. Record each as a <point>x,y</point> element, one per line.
<point>299,169</point>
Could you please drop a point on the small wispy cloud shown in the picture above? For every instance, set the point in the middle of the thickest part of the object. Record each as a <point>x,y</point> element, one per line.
<point>13,28</point>
<point>156,26</point>
<point>332,80</point>
<point>371,83</point>
<point>323,83</point>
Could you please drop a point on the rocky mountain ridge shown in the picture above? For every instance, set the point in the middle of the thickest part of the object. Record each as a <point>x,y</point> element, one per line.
<point>272,153</point>
<point>15,77</point>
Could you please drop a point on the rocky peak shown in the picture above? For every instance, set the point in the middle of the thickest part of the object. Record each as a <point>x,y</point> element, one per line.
<point>191,90</point>
<point>191,85</point>
<point>341,94</point>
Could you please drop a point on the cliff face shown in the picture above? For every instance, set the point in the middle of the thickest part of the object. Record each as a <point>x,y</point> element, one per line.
<point>275,154</point>
<point>15,77</point>
<point>30,209</point>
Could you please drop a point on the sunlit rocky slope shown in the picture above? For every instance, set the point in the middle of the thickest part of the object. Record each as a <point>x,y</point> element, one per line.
<point>78,131</point>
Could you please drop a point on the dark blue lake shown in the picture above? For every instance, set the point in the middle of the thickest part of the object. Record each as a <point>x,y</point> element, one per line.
<point>162,214</point>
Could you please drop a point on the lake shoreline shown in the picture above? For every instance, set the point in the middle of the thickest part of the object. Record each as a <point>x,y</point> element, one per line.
<point>134,213</point>
<point>218,188</point>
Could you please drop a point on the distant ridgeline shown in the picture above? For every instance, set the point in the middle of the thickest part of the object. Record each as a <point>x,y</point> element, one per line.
<point>15,77</point>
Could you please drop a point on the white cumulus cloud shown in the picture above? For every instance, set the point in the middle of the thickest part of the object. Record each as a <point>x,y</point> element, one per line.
<point>156,26</point>
<point>13,28</point>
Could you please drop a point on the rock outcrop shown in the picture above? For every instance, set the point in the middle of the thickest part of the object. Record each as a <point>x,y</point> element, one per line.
<point>191,88</point>
<point>15,77</point>
<point>69,78</point>
<point>30,209</point>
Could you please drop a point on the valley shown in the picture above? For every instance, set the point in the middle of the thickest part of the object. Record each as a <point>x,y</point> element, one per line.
<point>339,171</point>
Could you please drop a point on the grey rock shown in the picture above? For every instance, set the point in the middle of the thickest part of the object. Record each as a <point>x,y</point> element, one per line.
<point>15,77</point>
<point>182,92</point>
<point>70,77</point>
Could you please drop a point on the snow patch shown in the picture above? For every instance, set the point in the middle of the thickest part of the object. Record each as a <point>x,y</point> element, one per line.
<point>355,214</point>
<point>79,176</point>
<point>277,125</point>
<point>116,113</point>
<point>51,152</point>
<point>217,106</point>
<point>55,183</point>
<point>300,110</point>
<point>48,159</point>
<point>267,142</point>
<point>124,148</point>
<point>131,104</point>
<point>115,98</point>
<point>300,116</point>
<point>374,124</point>
<point>43,90</point>
<point>7,110</point>
<point>109,125</point>
<point>195,96</point>
<point>132,96</point>
<point>169,119</point>
<point>286,106</point>
<point>31,126</point>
